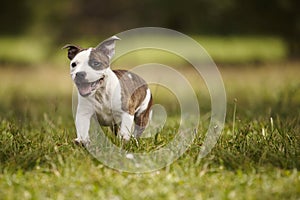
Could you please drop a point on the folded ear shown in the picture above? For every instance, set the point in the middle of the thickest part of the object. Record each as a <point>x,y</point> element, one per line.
<point>73,50</point>
<point>107,47</point>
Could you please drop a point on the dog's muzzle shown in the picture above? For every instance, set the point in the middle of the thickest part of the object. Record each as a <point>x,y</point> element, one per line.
<point>84,87</point>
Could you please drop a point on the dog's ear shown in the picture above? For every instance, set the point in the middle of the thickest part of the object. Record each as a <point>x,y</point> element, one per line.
<point>73,50</point>
<point>107,47</point>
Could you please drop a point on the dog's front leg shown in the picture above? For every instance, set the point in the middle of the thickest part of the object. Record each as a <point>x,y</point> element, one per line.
<point>126,126</point>
<point>83,116</point>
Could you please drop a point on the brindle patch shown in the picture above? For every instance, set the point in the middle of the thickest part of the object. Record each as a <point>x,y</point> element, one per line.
<point>133,90</point>
<point>98,60</point>
<point>142,119</point>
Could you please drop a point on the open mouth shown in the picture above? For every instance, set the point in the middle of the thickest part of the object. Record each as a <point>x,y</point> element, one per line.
<point>86,88</point>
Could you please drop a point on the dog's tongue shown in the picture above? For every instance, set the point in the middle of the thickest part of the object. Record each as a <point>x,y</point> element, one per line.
<point>84,89</point>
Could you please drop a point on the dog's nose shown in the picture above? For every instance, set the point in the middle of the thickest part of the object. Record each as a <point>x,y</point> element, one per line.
<point>80,75</point>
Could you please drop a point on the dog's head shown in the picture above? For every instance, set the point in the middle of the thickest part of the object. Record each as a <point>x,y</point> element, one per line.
<point>88,66</point>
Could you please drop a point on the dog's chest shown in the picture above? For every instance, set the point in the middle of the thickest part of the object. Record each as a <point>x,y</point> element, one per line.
<point>108,103</point>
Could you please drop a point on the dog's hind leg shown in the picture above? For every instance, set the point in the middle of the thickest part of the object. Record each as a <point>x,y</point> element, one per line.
<point>141,120</point>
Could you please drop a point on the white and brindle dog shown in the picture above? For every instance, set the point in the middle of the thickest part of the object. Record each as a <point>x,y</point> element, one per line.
<point>119,98</point>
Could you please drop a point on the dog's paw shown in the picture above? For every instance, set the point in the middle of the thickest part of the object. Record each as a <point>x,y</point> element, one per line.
<point>77,140</point>
<point>82,142</point>
<point>125,137</point>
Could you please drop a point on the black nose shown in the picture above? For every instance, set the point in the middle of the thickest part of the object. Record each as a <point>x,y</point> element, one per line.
<point>80,75</point>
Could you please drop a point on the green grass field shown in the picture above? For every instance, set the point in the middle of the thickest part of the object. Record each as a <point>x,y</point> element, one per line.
<point>256,157</point>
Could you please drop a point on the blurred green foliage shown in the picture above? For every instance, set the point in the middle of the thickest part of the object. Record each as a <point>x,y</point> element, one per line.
<point>224,50</point>
<point>72,19</point>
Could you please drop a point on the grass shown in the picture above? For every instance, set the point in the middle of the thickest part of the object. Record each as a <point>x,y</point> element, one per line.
<point>256,157</point>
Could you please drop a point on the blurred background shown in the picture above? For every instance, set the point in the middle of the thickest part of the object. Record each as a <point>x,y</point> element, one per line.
<point>232,31</point>
<point>254,43</point>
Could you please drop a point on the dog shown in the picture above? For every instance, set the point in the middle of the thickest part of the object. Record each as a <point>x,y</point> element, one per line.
<point>119,98</point>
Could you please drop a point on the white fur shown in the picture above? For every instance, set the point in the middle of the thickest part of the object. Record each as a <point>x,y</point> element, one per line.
<point>126,125</point>
<point>108,105</point>
<point>81,60</point>
<point>108,110</point>
<point>145,103</point>
<point>83,115</point>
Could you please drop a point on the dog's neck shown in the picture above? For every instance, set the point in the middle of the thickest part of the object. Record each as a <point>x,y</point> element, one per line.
<point>109,84</point>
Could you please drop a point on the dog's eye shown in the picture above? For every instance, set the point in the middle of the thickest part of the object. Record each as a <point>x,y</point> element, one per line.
<point>73,64</point>
<point>97,64</point>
